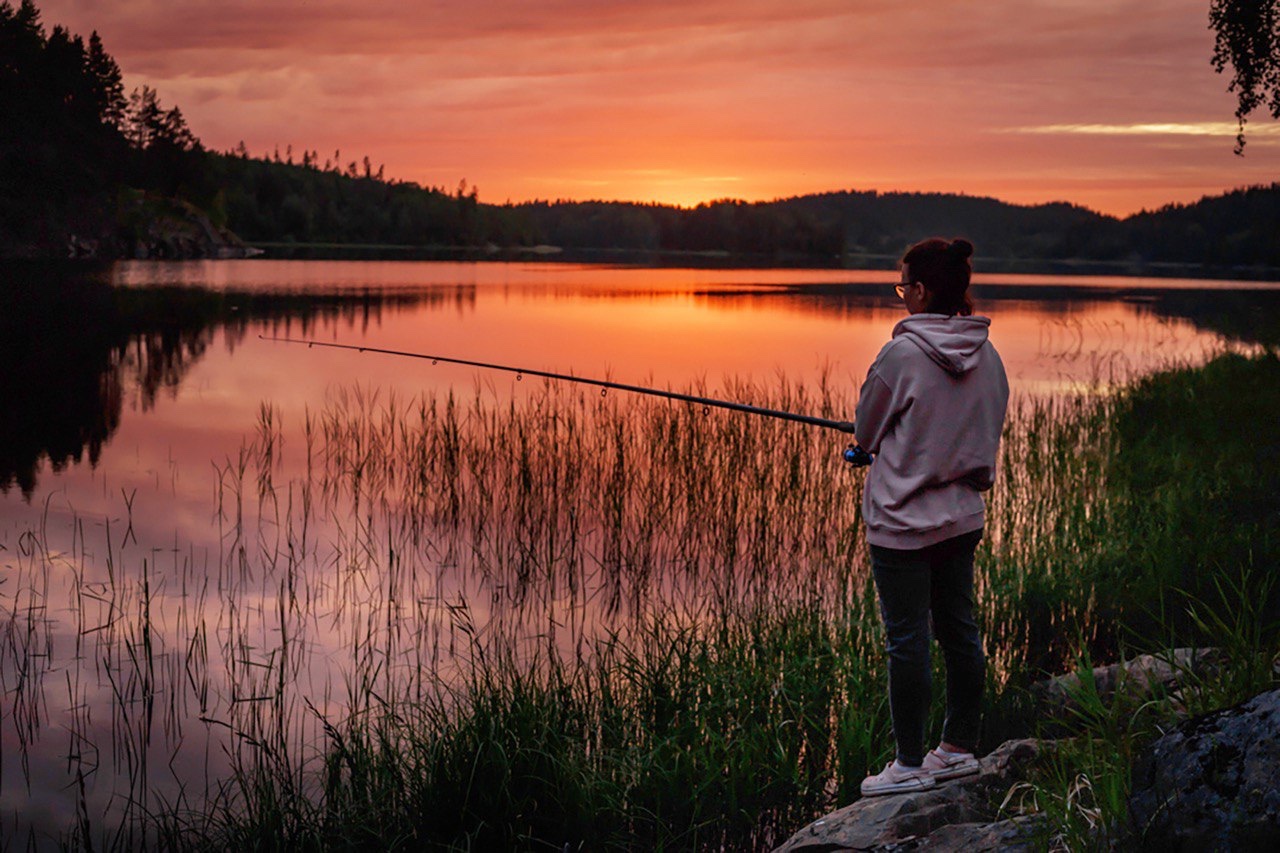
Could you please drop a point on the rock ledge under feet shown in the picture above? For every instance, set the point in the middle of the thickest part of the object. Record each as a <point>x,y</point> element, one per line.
<point>956,814</point>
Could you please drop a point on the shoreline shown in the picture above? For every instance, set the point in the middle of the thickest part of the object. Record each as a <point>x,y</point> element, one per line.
<point>246,250</point>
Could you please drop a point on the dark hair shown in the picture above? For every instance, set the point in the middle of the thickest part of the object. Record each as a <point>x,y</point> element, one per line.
<point>943,268</point>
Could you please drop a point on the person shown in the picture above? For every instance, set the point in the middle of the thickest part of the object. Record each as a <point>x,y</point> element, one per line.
<point>931,412</point>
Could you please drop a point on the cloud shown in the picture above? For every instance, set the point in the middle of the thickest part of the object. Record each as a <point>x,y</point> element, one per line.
<point>782,96</point>
<point>383,27</point>
<point>1193,128</point>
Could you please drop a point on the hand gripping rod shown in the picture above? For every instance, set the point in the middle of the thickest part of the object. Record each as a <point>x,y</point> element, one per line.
<point>842,426</point>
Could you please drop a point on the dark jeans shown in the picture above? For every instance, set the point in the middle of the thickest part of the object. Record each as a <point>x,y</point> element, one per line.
<point>936,580</point>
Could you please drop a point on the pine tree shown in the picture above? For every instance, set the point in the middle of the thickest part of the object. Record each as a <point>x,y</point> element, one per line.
<point>107,84</point>
<point>21,38</point>
<point>28,18</point>
<point>67,87</point>
<point>173,130</point>
<point>142,118</point>
<point>21,54</point>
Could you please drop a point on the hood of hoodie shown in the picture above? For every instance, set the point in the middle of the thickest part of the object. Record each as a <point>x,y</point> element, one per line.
<point>952,342</point>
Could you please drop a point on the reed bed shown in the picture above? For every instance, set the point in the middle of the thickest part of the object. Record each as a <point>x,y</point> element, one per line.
<point>547,618</point>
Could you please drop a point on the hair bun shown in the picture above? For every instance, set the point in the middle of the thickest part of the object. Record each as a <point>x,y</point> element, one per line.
<point>961,248</point>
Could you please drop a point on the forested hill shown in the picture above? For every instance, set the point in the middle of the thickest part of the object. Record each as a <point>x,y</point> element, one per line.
<point>1240,228</point>
<point>87,169</point>
<point>830,224</point>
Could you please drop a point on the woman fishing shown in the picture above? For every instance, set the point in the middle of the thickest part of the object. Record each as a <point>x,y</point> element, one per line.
<point>931,411</point>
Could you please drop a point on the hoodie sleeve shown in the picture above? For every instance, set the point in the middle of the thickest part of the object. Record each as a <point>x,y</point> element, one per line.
<point>876,412</point>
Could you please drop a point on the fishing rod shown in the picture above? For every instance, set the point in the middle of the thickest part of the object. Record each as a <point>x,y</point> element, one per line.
<point>853,454</point>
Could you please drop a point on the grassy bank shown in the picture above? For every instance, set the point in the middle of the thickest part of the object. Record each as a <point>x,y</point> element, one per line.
<point>669,640</point>
<point>1188,554</point>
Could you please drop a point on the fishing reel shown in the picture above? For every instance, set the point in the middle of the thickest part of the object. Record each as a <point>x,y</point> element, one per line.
<point>857,457</point>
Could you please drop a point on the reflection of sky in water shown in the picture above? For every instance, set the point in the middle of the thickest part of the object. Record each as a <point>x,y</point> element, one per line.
<point>153,494</point>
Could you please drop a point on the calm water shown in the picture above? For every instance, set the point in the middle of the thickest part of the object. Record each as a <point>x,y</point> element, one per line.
<point>148,495</point>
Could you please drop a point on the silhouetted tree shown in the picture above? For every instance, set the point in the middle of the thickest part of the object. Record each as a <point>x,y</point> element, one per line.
<point>143,117</point>
<point>1247,37</point>
<point>107,84</point>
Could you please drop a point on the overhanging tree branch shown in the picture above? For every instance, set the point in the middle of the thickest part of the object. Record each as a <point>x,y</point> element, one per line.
<point>1247,39</point>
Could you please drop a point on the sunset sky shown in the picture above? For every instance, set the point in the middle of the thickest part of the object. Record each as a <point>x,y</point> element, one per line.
<point>1107,103</point>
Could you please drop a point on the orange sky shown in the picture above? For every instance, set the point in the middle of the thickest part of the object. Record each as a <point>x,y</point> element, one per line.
<point>1107,103</point>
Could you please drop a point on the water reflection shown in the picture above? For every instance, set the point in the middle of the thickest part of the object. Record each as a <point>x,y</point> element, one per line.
<point>1250,314</point>
<point>75,348</point>
<point>61,396</point>
<point>80,345</point>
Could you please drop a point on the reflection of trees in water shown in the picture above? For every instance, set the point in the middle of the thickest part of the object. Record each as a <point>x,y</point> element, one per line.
<point>1246,316</point>
<point>59,397</point>
<point>73,348</point>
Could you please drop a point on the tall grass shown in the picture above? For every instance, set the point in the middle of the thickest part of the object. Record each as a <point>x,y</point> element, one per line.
<point>665,635</point>
<point>1189,553</point>
<point>678,739</point>
<point>558,618</point>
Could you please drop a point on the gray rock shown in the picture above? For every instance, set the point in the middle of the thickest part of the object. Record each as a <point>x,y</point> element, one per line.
<point>1213,783</point>
<point>1136,679</point>
<point>960,808</point>
<point>1015,835</point>
<point>159,227</point>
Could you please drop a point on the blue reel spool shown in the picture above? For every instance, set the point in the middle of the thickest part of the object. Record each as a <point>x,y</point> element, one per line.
<point>857,457</point>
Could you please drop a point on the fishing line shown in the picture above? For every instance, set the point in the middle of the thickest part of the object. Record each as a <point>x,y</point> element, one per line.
<point>854,455</point>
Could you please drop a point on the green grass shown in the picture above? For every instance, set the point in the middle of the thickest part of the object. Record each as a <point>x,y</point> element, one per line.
<point>1189,555</point>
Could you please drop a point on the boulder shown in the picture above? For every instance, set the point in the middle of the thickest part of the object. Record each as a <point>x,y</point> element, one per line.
<point>1014,835</point>
<point>1136,679</point>
<point>960,809</point>
<point>1213,783</point>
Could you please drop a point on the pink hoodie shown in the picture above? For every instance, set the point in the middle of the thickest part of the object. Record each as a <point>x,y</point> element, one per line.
<point>932,410</point>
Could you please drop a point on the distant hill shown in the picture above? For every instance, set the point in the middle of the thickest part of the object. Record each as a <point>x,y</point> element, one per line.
<point>833,224</point>
<point>1241,227</point>
<point>1238,229</point>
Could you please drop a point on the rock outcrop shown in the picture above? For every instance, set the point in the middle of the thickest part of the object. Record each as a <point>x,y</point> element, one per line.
<point>1213,783</point>
<point>156,227</point>
<point>954,815</point>
<point>139,225</point>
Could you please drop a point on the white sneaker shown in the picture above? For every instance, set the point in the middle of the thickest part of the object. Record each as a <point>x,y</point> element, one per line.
<point>943,765</point>
<point>896,779</point>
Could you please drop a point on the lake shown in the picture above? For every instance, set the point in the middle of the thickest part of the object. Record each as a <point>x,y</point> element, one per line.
<point>211,542</point>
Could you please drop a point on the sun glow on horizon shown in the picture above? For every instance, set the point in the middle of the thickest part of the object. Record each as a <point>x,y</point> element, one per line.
<point>674,187</point>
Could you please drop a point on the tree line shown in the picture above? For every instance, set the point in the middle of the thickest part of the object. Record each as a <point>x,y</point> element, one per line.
<point>79,156</point>
<point>274,200</point>
<point>71,139</point>
<point>1237,228</point>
